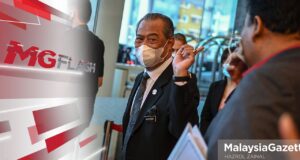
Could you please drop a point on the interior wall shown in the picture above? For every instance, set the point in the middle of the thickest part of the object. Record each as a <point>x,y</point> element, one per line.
<point>108,29</point>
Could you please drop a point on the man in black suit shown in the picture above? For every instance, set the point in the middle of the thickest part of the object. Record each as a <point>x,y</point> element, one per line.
<point>164,97</point>
<point>271,43</point>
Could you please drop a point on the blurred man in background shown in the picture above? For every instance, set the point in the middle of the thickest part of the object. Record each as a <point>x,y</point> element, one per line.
<point>180,40</point>
<point>271,87</point>
<point>88,47</point>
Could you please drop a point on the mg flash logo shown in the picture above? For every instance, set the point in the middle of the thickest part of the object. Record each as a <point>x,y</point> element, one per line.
<point>46,58</point>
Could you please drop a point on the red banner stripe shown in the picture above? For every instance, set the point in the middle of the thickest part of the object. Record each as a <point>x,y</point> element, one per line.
<point>87,140</point>
<point>39,8</point>
<point>4,16</point>
<point>56,141</point>
<point>34,137</point>
<point>116,127</point>
<point>33,8</point>
<point>46,8</point>
<point>39,155</point>
<point>51,118</point>
<point>4,126</point>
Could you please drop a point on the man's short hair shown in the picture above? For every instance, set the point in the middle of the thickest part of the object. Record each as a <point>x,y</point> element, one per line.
<point>180,37</point>
<point>168,29</point>
<point>84,9</point>
<point>280,16</point>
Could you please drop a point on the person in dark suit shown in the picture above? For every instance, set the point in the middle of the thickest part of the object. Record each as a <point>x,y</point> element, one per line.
<point>271,43</point>
<point>86,46</point>
<point>220,91</point>
<point>164,97</point>
<point>213,98</point>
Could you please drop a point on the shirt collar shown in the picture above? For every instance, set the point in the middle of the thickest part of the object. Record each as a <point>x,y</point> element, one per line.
<point>264,61</point>
<point>154,74</point>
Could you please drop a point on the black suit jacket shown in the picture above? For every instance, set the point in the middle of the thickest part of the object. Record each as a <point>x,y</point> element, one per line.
<point>174,106</point>
<point>260,99</point>
<point>212,103</point>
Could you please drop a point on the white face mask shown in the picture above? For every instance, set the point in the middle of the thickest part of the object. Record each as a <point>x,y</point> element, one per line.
<point>225,70</point>
<point>149,57</point>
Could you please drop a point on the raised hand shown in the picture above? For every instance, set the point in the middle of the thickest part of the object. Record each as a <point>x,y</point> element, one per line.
<point>183,59</point>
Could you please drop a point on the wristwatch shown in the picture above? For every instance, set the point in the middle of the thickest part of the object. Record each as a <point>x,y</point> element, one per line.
<point>182,79</point>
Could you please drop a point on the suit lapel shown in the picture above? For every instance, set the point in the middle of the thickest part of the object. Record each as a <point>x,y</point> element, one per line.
<point>153,97</point>
<point>130,100</point>
<point>219,95</point>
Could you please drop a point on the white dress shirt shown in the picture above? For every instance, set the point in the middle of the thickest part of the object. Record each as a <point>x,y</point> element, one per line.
<point>154,74</point>
<point>153,77</point>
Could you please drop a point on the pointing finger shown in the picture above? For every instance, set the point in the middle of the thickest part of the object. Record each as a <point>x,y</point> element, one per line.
<point>196,51</point>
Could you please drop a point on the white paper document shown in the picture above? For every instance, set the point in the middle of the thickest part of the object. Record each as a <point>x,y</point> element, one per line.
<point>190,145</point>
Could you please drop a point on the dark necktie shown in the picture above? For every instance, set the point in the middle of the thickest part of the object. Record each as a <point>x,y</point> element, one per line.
<point>135,110</point>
